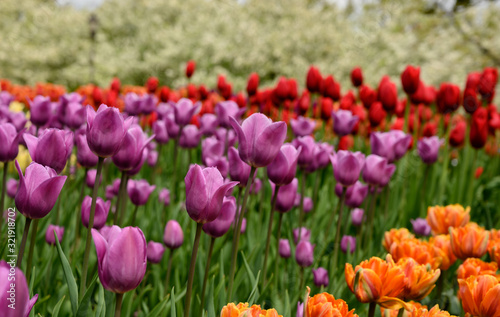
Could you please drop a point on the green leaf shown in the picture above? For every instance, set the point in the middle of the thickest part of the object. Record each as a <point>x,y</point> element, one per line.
<point>159,308</point>
<point>110,303</point>
<point>55,312</point>
<point>253,280</point>
<point>210,300</point>
<point>84,307</point>
<point>172,306</point>
<point>101,307</point>
<point>70,279</point>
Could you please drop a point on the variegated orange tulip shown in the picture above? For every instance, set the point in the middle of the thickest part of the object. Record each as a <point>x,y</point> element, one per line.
<point>325,305</point>
<point>494,250</point>
<point>420,279</point>
<point>480,295</point>
<point>494,235</point>
<point>443,245</point>
<point>412,306</point>
<point>473,266</point>
<point>470,241</point>
<point>441,218</point>
<point>421,251</point>
<point>434,312</point>
<point>377,281</point>
<point>395,236</point>
<point>242,310</point>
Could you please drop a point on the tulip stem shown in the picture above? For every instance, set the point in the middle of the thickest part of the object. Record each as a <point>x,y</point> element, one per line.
<point>329,226</point>
<point>78,208</point>
<point>118,308</point>
<point>269,231</point>
<point>32,249</point>
<point>444,171</point>
<point>236,239</point>
<point>187,304</point>
<point>83,281</point>
<point>371,211</point>
<point>23,241</point>
<point>401,312</point>
<point>238,204</point>
<point>134,216</point>
<point>169,270</point>
<point>2,197</point>
<point>124,200</point>
<point>301,284</point>
<point>207,269</point>
<point>174,164</point>
<point>119,199</point>
<point>301,209</point>
<point>470,193</point>
<point>371,309</point>
<point>278,237</point>
<point>337,233</point>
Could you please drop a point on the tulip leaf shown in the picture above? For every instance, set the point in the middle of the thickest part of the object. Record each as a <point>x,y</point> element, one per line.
<point>253,280</point>
<point>159,307</point>
<point>70,279</point>
<point>172,301</point>
<point>83,308</point>
<point>101,307</point>
<point>55,311</point>
<point>127,302</point>
<point>210,300</point>
<point>110,303</point>
<point>287,305</point>
<point>221,289</point>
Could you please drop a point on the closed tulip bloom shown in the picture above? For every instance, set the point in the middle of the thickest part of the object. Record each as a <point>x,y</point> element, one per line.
<point>243,228</point>
<point>470,241</point>
<point>184,110</point>
<point>208,124</point>
<point>137,168</point>
<point>448,98</point>
<point>479,128</point>
<point>357,216</point>
<point>84,156</point>
<point>348,244</point>
<point>106,130</point>
<point>300,309</point>
<point>474,267</point>
<point>18,119</point>
<point>12,185</point>
<point>226,109</point>
<point>256,186</point>
<point>282,169</point>
<point>73,114</point>
<point>139,191</point>
<point>22,302</point>
<point>368,96</point>
<point>307,152</point>
<point>457,134</point>
<point>52,148</point>
<point>387,94</point>
<point>355,194</point>
<point>313,79</point>
<point>252,84</point>
<point>442,218</point>
<point>480,295</point>
<point>302,126</point>
<point>343,122</point>
<point>347,166</point>
<point>259,139</point>
<point>49,234</point>
<point>155,252</point>
<point>90,178</point>
<point>190,137</point>
<point>226,135</point>
<point>152,158</point>
<point>284,248</point>
<point>222,223</point>
<point>131,150</point>
<point>325,305</point>
<point>164,196</point>
<point>38,190</point>
<point>121,258</point>
<point>428,149</point>
<point>286,196</point>
<point>395,236</point>
<point>320,277</point>
<point>357,77</point>
<point>211,147</point>
<point>305,234</point>
<point>238,170</point>
<point>221,163</point>
<point>101,212</point>
<point>173,128</point>
<point>173,237</point>
<point>190,68</point>
<point>377,170</point>
<point>161,132</point>
<point>392,145</point>
<point>421,227</point>
<point>40,110</point>
<point>410,78</point>
<point>205,190</point>
<point>9,138</point>
<point>420,280</point>
<point>322,153</point>
<point>304,253</point>
<point>308,204</point>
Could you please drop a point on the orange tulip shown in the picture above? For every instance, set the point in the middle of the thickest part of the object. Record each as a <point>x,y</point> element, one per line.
<point>395,312</point>
<point>377,281</point>
<point>494,250</point>
<point>443,246</point>
<point>421,251</point>
<point>434,312</point>
<point>242,310</point>
<point>325,305</point>
<point>420,279</point>
<point>396,236</point>
<point>480,295</point>
<point>470,241</point>
<point>473,266</point>
<point>441,218</point>
<point>494,235</point>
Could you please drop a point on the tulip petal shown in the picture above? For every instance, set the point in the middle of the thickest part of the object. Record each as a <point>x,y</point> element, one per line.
<point>101,246</point>
<point>489,304</point>
<point>196,193</point>
<point>268,143</point>
<point>31,143</point>
<point>45,195</point>
<point>393,303</point>
<point>243,147</point>
<point>216,202</point>
<point>30,305</point>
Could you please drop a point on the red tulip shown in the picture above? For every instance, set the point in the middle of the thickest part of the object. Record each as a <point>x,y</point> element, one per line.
<point>190,68</point>
<point>448,98</point>
<point>115,84</point>
<point>376,114</point>
<point>292,89</point>
<point>387,94</point>
<point>347,101</point>
<point>326,108</point>
<point>470,101</point>
<point>357,77</point>
<point>252,84</point>
<point>457,134</point>
<point>313,79</point>
<point>367,96</point>
<point>152,84</point>
<point>479,128</point>
<point>487,83</point>
<point>410,79</point>
<point>331,88</point>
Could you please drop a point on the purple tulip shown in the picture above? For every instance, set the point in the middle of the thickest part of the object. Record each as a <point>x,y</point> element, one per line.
<point>164,196</point>
<point>284,248</point>
<point>132,103</point>
<point>40,110</point>
<point>106,130</point>
<point>38,190</point>
<point>308,203</point>
<point>211,147</point>
<point>190,137</point>
<point>238,170</point>
<point>355,194</point>
<point>322,152</point>
<point>227,136</point>
<point>152,158</point>
<point>243,228</point>
<point>184,110</point>
<point>320,277</point>
<point>302,126</point>
<point>221,163</point>
<point>222,223</point>
<point>6,98</point>
<point>101,212</point>
<point>52,148</point>
<point>173,237</point>
<point>84,156</point>
<point>121,258</point>
<point>377,170</point>
<point>18,119</point>
<point>205,190</point>
<point>17,296</point>
<point>137,168</point>
<point>155,252</point>
<point>256,186</point>
<point>343,122</point>
<point>304,253</point>
<point>307,145</point>
<point>139,191</point>
<point>49,234</point>
<point>90,179</point>
<point>148,103</point>
<point>428,149</point>
<point>347,166</point>
<point>173,128</point>
<point>164,109</point>
<point>72,113</point>
<point>130,153</point>
<point>348,243</point>
<point>259,139</point>
<point>357,216</point>
<point>226,109</point>
<point>282,169</point>
<point>421,227</point>
<point>12,185</point>
<point>286,195</point>
<point>161,132</point>
<point>113,189</point>
<point>392,145</point>
<point>208,124</point>
<point>305,234</point>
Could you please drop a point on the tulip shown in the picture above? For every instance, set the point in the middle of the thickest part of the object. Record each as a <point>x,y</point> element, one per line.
<point>256,186</point>
<point>320,277</point>
<point>368,96</point>
<point>325,305</point>
<point>441,218</point>
<point>475,267</point>
<point>218,227</point>
<point>9,138</point>
<point>428,149</point>
<point>72,113</point>
<point>343,122</point>
<point>442,245</point>
<point>304,253</point>
<point>242,309</point>
<point>302,126</point>
<point>226,109</point>
<point>305,234</point>
<point>313,80</point>
<point>470,241</point>
<point>211,147</point>
<point>131,151</point>
<point>308,204</point>
<point>377,170</point>
<point>479,128</point>
<point>307,153</point>
<point>355,194</point>
<point>173,128</point>
<point>101,212</point>
<point>84,155</point>
<point>49,234</point>
<point>421,251</point>
<point>457,134</point>
<point>190,68</point>
<point>348,243</point>
<point>243,227</point>
<point>419,281</point>
<point>227,136</point>
<point>155,252</point>
<point>347,166</point>
<point>152,158</point>
<point>421,227</point>
<point>164,196</point>
<point>410,78</point>
<point>479,295</point>
<point>330,88</point>
<point>40,110</point>
<point>190,137</point>
<point>51,149</point>
<point>357,77</point>
<point>11,186</point>
<point>239,170</point>
<point>252,84</point>
<point>284,248</point>
<point>173,237</point>
<point>208,124</point>
<point>357,216</point>
<point>90,178</point>
<point>387,94</point>
<point>106,130</point>
<point>139,191</point>
<point>396,236</point>
<point>392,145</point>
<point>448,98</point>
<point>184,110</point>
<point>22,305</point>
<point>282,170</point>
<point>160,131</point>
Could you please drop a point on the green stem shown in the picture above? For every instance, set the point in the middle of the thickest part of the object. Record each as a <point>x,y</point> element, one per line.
<point>169,270</point>
<point>174,164</point>
<point>119,198</point>
<point>207,269</point>
<point>123,203</point>
<point>330,224</point>
<point>32,249</point>
<point>23,241</point>
<point>278,237</point>
<point>134,216</point>
<point>187,304</point>
<point>301,284</point>
<point>371,214</point>
<point>269,231</point>
<point>337,234</point>
<point>301,209</point>
<point>118,308</point>
<point>4,189</point>
<point>236,239</point>
<point>470,193</point>
<point>83,281</point>
<point>79,208</point>
<point>401,312</point>
<point>371,309</point>
<point>444,171</point>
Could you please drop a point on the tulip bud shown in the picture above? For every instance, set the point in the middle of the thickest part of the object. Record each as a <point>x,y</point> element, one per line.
<point>12,185</point>
<point>252,84</point>
<point>155,252</point>
<point>347,166</point>
<point>282,169</point>
<point>343,122</point>
<point>286,196</point>
<point>357,216</point>
<point>367,96</point>
<point>173,237</point>
<point>49,234</point>
<point>392,145</point>
<point>152,84</point>
<point>139,191</point>
<point>284,248</point>
<point>377,170</point>
<point>101,212</point>
<point>302,126</point>
<point>208,124</point>
<point>164,196</point>
<point>52,148</point>
<point>190,68</point>
<point>448,98</point>
<point>239,170</point>
<point>428,149</point>
<point>387,94</point>
<point>10,274</point>
<point>222,223</point>
<point>84,155</point>
<point>313,79</point>
<point>184,110</point>
<point>304,254</point>
<point>348,243</point>
<point>410,79</point>
<point>256,186</point>
<point>376,114</point>
<point>357,77</point>
<point>40,110</point>
<point>190,137</point>
<point>161,132</point>
<point>243,228</point>
<point>479,128</point>
<point>421,227</point>
<point>131,150</point>
<point>305,234</point>
<point>320,277</point>
<point>355,194</point>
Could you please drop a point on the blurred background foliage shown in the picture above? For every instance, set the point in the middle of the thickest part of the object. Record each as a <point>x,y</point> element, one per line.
<point>42,40</point>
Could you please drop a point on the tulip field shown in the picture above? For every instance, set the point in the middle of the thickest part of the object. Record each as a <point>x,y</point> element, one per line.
<point>302,199</point>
